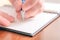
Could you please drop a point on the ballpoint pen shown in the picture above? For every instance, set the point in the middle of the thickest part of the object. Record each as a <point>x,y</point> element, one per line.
<point>22,11</point>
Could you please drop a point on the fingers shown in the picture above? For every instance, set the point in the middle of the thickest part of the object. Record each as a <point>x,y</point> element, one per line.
<point>31,7</point>
<point>8,17</point>
<point>17,4</point>
<point>5,19</point>
<point>19,17</point>
<point>12,1</point>
<point>33,11</point>
<point>29,4</point>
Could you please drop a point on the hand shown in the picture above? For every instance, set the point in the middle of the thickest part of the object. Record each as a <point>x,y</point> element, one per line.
<point>31,7</point>
<point>5,19</point>
<point>16,4</point>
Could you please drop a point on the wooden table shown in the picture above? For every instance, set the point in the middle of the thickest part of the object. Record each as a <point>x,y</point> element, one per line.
<point>51,32</point>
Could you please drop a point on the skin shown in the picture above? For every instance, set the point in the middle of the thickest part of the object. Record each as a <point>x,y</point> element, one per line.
<point>5,19</point>
<point>31,7</point>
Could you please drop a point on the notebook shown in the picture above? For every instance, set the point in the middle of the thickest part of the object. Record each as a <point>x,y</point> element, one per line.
<point>29,27</point>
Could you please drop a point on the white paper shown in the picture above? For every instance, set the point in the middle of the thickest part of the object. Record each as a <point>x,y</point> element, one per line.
<point>54,7</point>
<point>31,26</point>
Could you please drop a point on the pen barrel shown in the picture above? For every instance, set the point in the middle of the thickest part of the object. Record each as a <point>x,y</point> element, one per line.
<point>23,1</point>
<point>23,15</point>
<point>22,11</point>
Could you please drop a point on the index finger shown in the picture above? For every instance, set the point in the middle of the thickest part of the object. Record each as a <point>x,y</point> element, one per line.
<point>12,1</point>
<point>17,4</point>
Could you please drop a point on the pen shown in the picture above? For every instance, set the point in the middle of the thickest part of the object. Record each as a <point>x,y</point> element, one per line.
<point>22,11</point>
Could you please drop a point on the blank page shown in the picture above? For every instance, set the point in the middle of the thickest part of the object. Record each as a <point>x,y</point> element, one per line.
<point>31,26</point>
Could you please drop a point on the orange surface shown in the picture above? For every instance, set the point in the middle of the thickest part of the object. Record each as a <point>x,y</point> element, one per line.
<point>49,33</point>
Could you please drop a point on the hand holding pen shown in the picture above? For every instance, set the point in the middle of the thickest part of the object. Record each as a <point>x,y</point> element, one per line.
<point>29,7</point>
